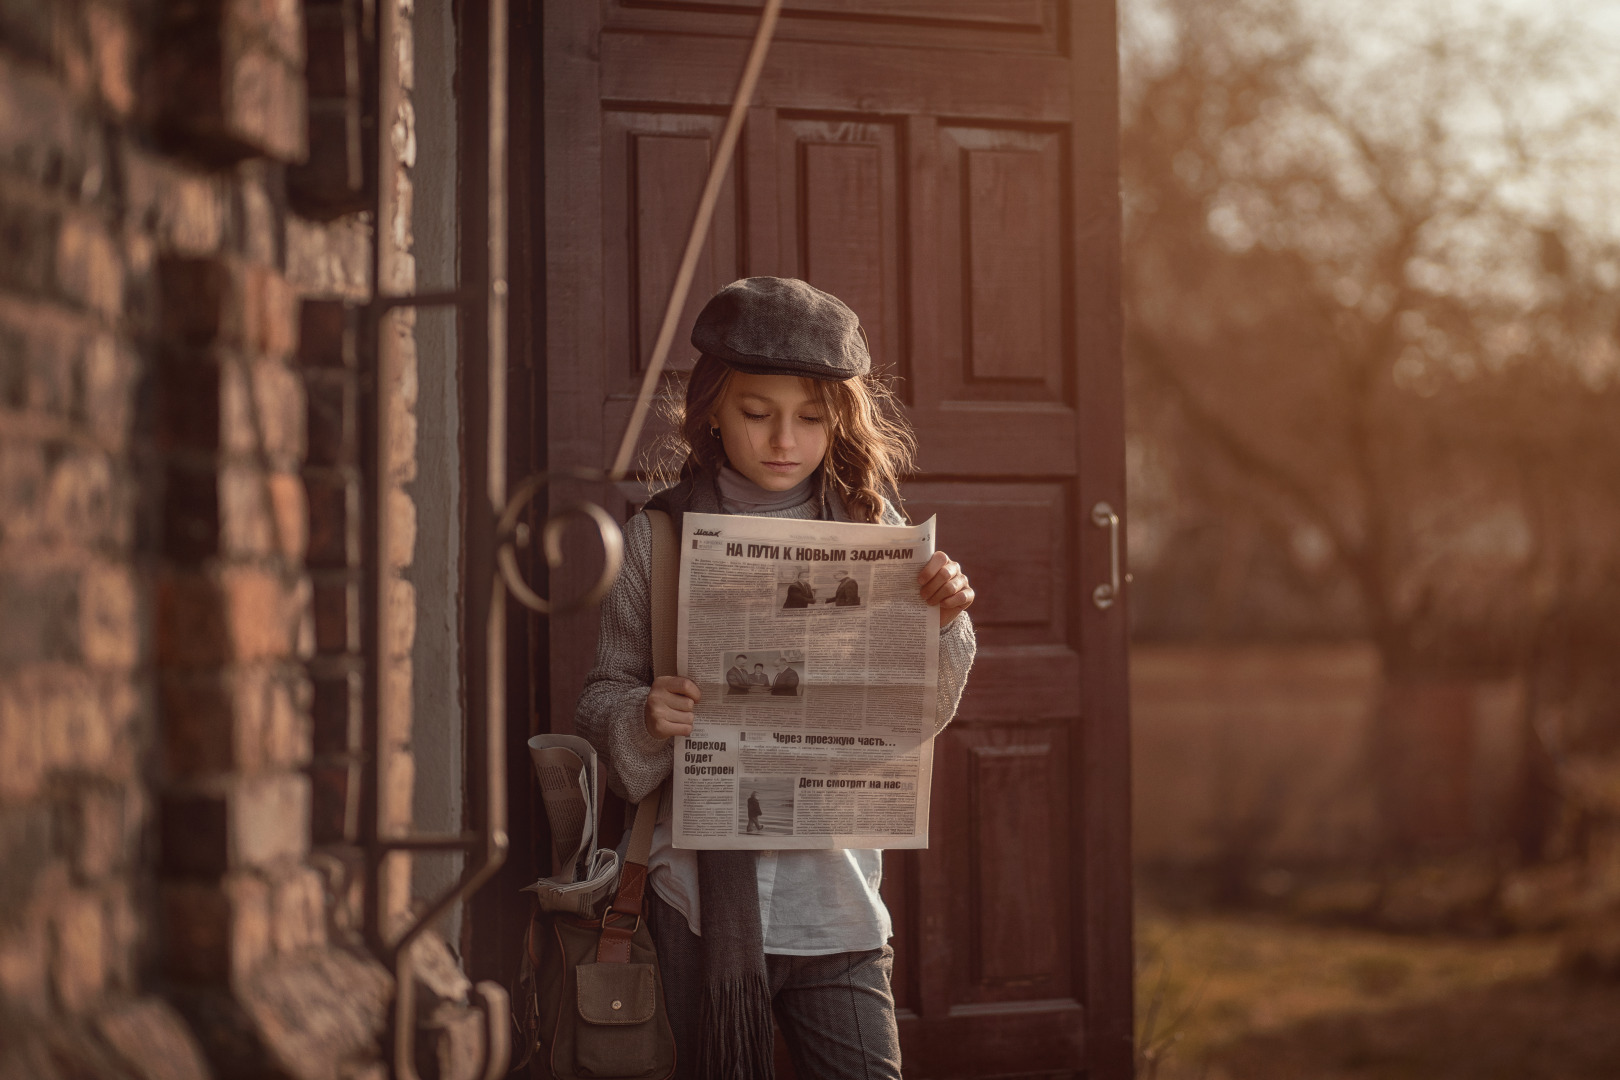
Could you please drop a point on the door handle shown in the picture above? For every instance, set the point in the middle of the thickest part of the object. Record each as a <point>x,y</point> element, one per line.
<point>1104,595</point>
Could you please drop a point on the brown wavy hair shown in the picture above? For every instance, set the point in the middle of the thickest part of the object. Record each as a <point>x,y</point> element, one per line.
<point>869,444</point>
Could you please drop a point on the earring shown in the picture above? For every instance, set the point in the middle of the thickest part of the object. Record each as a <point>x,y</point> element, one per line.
<point>714,432</point>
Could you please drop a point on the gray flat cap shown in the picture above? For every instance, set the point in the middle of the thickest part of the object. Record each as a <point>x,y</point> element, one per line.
<point>782,326</point>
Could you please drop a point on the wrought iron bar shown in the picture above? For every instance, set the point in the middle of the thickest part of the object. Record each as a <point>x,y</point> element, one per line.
<point>510,534</point>
<point>607,529</point>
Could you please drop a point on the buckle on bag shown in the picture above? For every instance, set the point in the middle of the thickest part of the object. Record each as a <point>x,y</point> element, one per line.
<point>610,913</point>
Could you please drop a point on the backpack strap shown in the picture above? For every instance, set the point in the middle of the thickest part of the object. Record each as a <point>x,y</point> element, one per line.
<point>666,583</point>
<point>630,899</point>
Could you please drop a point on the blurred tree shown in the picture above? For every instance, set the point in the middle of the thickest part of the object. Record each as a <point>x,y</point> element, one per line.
<point>1370,282</point>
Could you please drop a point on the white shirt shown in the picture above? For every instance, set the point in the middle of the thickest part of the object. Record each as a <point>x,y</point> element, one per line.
<point>810,902</point>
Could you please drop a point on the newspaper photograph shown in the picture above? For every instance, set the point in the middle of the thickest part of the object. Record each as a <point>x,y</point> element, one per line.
<point>818,663</point>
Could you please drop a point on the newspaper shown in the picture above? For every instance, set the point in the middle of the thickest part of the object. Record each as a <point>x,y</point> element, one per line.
<point>819,667</point>
<point>585,875</point>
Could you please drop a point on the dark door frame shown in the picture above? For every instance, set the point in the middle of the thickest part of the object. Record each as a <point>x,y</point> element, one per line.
<point>498,915</point>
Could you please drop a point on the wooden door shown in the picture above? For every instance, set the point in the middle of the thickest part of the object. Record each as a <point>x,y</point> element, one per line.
<point>948,168</point>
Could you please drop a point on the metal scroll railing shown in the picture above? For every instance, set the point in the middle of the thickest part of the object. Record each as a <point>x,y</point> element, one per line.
<point>486,845</point>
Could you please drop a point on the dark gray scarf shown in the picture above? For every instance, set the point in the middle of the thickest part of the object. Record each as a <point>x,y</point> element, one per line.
<point>735,1040</point>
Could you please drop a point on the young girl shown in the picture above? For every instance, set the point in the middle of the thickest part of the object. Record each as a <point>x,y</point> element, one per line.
<point>782,418</point>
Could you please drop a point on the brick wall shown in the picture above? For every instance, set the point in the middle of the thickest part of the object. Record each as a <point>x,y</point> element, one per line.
<point>180,569</point>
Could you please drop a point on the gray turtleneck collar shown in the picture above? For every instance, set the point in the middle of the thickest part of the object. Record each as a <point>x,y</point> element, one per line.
<point>740,495</point>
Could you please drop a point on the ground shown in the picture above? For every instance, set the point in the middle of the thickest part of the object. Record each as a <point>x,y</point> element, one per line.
<point>1258,997</point>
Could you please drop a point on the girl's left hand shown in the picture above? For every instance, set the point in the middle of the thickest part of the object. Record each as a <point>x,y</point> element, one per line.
<point>942,583</point>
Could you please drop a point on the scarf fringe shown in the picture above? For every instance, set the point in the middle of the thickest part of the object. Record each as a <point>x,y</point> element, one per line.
<point>736,1040</point>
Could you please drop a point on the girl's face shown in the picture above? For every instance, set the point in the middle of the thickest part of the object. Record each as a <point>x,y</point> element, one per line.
<point>773,429</point>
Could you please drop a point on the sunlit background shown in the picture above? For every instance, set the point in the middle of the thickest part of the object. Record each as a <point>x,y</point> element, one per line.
<point>1372,285</point>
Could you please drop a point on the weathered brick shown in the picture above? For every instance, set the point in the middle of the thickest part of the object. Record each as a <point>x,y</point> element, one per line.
<point>39,616</point>
<point>327,67</point>
<point>19,389</point>
<point>59,493</point>
<point>79,952</point>
<point>270,818</point>
<point>401,617</point>
<point>332,420</point>
<point>196,298</point>
<point>45,136</point>
<point>401,529</point>
<point>332,181</point>
<point>184,209</point>
<point>328,334</point>
<point>278,395</point>
<point>330,259</point>
<point>189,399</point>
<point>399,787</point>
<point>258,821</point>
<point>274,24</point>
<point>26,848</point>
<point>214,721</point>
<point>125,929</point>
<point>192,518</point>
<point>334,520</point>
<point>25,966</point>
<point>80,504</point>
<point>395,707</point>
<point>214,932</point>
<point>240,720</point>
<point>258,618</point>
<point>274,319</point>
<point>194,835</point>
<point>258,216</point>
<point>303,618</point>
<point>298,910</point>
<point>105,398</point>
<point>22,481</point>
<point>336,610</point>
<point>28,237</point>
<point>239,613</point>
<point>96,833</point>
<point>22,753</point>
<point>287,737</point>
<point>89,269</point>
<point>111,55</point>
<point>33,347</point>
<point>27,29</point>
<point>152,1039</point>
<point>402,448</point>
<point>246,522</point>
<point>264,105</point>
<point>291,512</point>
<point>70,53</point>
<point>228,78</point>
<point>77,730</point>
<point>335,712</point>
<point>334,795</point>
<point>109,627</point>
<point>261,412</point>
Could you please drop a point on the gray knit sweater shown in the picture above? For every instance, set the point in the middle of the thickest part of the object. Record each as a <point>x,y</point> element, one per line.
<point>612,707</point>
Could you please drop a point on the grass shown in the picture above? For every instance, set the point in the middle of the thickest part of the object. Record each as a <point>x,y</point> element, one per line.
<point>1252,997</point>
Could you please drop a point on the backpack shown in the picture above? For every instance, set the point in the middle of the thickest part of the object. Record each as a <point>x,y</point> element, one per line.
<point>593,997</point>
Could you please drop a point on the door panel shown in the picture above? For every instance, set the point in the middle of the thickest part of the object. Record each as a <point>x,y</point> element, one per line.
<point>653,167</point>
<point>948,169</point>
<point>840,223</point>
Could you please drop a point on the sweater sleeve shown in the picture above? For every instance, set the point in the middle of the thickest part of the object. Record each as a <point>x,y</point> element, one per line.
<point>957,647</point>
<point>611,713</point>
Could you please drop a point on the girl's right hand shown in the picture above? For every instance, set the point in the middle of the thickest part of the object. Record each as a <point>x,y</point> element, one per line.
<point>669,706</point>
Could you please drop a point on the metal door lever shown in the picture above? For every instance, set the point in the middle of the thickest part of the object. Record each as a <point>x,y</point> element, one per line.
<point>1104,595</point>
